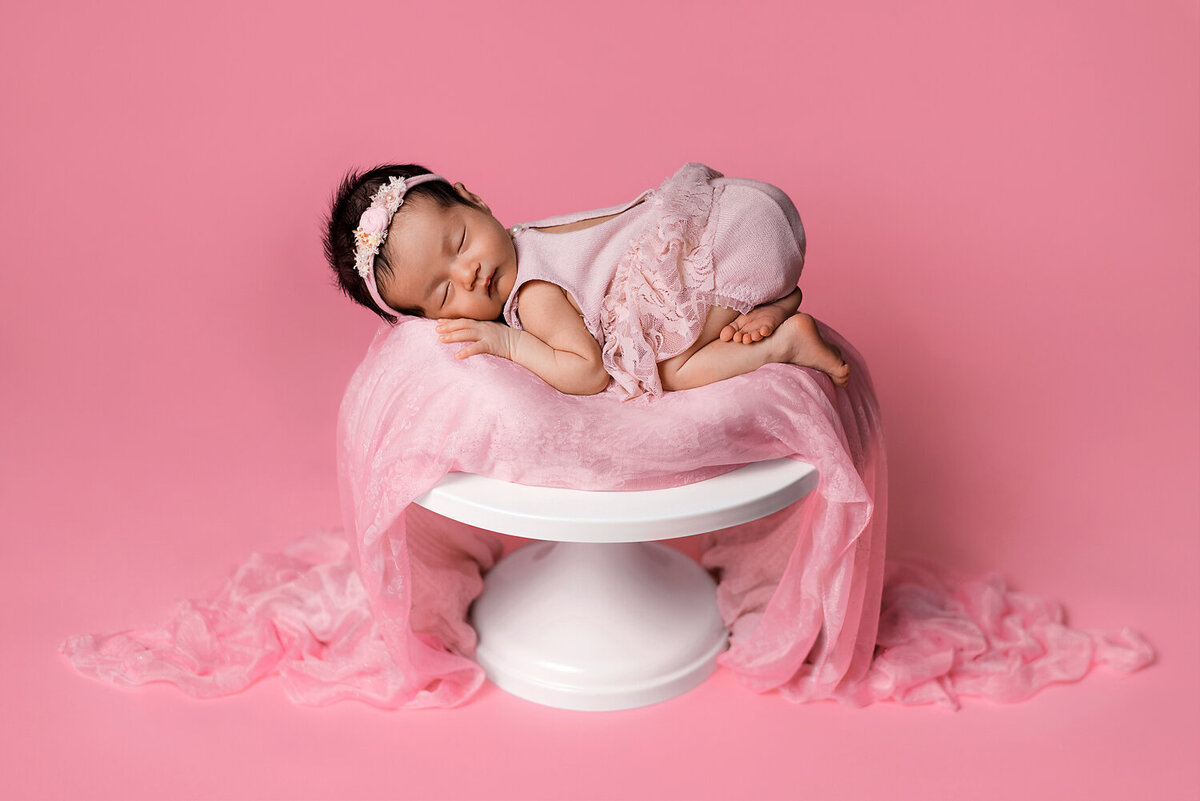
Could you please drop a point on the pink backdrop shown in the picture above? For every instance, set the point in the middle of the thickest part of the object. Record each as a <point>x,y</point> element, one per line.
<point>1003,209</point>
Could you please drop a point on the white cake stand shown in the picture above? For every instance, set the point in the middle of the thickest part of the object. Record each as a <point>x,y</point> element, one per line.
<point>598,617</point>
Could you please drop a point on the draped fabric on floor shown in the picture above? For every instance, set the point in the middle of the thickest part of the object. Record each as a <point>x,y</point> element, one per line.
<point>378,610</point>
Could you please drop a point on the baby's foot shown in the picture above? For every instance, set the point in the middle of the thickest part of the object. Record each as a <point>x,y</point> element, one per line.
<point>754,325</point>
<point>805,347</point>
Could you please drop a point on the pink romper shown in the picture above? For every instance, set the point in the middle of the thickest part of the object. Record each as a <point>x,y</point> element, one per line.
<point>644,280</point>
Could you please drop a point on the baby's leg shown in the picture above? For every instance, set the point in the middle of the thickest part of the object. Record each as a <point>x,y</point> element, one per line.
<point>712,359</point>
<point>671,371</point>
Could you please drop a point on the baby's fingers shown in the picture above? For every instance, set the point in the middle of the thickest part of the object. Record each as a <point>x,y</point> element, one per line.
<point>454,324</point>
<point>461,335</point>
<point>470,349</point>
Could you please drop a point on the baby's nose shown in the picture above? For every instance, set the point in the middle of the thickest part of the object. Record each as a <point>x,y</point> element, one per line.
<point>467,273</point>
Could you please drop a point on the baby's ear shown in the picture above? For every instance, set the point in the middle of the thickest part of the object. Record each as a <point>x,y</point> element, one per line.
<point>469,195</point>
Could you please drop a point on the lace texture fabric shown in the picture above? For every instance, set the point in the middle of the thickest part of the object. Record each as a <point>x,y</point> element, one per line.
<point>664,285</point>
<point>378,610</point>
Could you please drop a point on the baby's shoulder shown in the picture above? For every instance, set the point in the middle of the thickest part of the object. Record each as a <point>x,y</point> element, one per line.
<point>545,297</point>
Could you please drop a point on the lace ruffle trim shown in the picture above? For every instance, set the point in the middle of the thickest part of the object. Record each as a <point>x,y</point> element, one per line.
<point>664,284</point>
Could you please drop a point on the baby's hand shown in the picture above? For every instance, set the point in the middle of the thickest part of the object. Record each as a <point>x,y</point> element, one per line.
<point>483,336</point>
<point>755,324</point>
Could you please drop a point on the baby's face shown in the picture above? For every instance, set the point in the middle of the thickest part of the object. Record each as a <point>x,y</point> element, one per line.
<point>455,262</point>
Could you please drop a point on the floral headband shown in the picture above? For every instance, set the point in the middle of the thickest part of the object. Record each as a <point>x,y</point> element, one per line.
<point>373,226</point>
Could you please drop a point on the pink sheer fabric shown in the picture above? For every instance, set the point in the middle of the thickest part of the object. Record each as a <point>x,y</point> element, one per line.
<point>378,611</point>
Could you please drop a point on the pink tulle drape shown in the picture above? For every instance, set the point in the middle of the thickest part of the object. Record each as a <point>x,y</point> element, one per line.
<point>378,610</point>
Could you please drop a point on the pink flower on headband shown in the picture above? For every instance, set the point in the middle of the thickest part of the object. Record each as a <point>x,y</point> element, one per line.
<point>375,220</point>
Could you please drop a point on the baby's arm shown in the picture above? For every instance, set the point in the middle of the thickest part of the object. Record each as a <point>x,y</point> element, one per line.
<point>761,321</point>
<point>555,344</point>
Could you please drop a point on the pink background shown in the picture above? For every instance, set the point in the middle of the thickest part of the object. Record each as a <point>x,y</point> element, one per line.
<point>1003,208</point>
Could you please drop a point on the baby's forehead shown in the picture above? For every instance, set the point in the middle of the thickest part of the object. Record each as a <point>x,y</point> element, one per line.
<point>418,233</point>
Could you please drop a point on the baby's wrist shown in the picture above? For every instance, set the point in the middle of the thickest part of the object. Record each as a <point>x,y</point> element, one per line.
<point>512,338</point>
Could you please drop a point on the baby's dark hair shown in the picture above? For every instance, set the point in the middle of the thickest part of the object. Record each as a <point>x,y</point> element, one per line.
<point>352,198</point>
